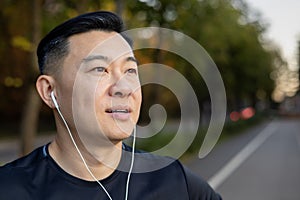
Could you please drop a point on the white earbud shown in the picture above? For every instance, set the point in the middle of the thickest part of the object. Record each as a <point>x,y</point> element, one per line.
<point>54,100</point>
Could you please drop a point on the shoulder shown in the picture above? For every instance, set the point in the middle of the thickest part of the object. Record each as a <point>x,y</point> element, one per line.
<point>145,162</point>
<point>24,162</point>
<point>20,171</point>
<point>198,188</point>
<point>173,172</point>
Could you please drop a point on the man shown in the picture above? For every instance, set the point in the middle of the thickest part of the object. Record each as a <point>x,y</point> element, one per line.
<point>89,78</point>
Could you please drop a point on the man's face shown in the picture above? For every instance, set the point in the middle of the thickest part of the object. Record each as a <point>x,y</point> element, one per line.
<point>99,89</point>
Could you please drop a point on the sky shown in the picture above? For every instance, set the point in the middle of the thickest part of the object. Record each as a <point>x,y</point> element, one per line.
<point>283,18</point>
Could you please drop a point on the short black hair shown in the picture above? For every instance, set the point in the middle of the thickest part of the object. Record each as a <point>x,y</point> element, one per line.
<point>53,48</point>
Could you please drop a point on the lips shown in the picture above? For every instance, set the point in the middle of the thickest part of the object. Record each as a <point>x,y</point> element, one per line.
<point>117,110</point>
<point>119,113</point>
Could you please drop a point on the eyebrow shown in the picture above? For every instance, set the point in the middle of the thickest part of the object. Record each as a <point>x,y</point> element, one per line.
<point>95,57</point>
<point>131,58</point>
<point>106,59</point>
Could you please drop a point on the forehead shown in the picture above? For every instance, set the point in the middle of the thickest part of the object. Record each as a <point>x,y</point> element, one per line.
<point>109,44</point>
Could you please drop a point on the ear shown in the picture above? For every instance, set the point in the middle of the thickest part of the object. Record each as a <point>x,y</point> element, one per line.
<point>45,85</point>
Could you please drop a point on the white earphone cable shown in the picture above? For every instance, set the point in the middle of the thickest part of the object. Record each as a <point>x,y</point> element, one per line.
<point>87,167</point>
<point>131,164</point>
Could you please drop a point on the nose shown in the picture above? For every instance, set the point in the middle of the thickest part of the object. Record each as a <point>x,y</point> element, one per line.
<point>121,88</point>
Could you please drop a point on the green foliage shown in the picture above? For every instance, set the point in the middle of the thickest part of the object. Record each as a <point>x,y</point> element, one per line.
<point>22,43</point>
<point>224,30</point>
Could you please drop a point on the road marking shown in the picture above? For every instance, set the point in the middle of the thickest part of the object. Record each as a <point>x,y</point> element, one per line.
<point>216,180</point>
<point>298,139</point>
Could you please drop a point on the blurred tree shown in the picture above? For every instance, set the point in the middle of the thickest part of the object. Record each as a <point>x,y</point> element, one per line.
<point>119,7</point>
<point>299,59</point>
<point>233,40</point>
<point>15,49</point>
<point>29,123</point>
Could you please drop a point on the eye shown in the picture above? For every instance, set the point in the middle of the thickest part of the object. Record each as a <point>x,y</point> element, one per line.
<point>99,69</point>
<point>132,71</point>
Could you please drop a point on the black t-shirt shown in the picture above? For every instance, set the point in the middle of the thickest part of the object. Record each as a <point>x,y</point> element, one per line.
<point>38,177</point>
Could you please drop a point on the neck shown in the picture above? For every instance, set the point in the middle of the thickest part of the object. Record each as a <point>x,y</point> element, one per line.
<point>102,160</point>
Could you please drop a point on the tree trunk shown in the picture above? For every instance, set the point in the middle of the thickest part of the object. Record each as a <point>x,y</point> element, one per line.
<point>299,59</point>
<point>119,7</point>
<point>30,117</point>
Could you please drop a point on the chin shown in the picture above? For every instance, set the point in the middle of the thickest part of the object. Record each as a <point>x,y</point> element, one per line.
<point>116,130</point>
<point>117,134</point>
<point>118,138</point>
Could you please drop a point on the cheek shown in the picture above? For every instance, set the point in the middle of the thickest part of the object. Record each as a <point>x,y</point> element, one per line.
<point>84,94</point>
<point>139,98</point>
<point>137,101</point>
<point>83,98</point>
<point>99,97</point>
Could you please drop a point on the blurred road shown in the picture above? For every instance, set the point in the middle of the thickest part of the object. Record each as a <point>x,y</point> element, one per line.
<point>10,149</point>
<point>262,164</point>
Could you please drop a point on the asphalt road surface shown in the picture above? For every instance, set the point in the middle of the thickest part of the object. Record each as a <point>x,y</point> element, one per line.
<point>261,164</point>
